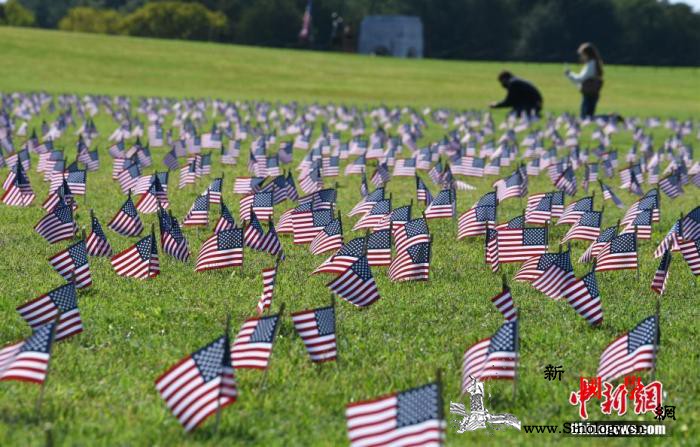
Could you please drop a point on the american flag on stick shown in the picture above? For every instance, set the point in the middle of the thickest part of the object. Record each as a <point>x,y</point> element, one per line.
<point>618,254</point>
<point>97,243</point>
<point>201,384</point>
<point>633,351</point>
<point>72,264</point>
<point>60,305</point>
<point>317,329</point>
<point>412,263</point>
<point>328,239</point>
<point>504,302</point>
<point>584,296</point>
<point>140,260</point>
<point>491,248</point>
<point>58,225</point>
<point>173,241</point>
<point>269,276</point>
<point>658,283</point>
<point>495,357</point>
<point>226,221</point>
<point>126,222</point>
<point>356,285</point>
<point>252,347</point>
<point>28,360</point>
<point>223,249</point>
<point>198,214</point>
<point>691,253</point>
<point>406,418</point>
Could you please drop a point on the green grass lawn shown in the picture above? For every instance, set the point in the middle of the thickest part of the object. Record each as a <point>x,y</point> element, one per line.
<point>100,390</point>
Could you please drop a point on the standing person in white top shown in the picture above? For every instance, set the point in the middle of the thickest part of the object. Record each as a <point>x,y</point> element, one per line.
<point>589,80</point>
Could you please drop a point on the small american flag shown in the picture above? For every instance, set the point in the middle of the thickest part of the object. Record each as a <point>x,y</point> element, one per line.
<point>356,285</point>
<point>491,249</point>
<point>225,221</point>
<point>200,385</point>
<point>77,181</point>
<point>328,239</point>
<point>307,225</point>
<point>567,181</point>
<point>367,202</point>
<point>379,248</point>
<point>380,211</point>
<point>555,278</point>
<point>260,203</point>
<point>658,283</point>
<point>608,194</point>
<point>395,220</point>
<point>126,222</point>
<point>539,209</point>
<point>492,358</point>
<point>350,252</point>
<point>412,263</point>
<point>513,186</point>
<point>520,244</point>
<point>28,360</point>
<point>415,230</point>
<point>358,166</point>
<point>58,225</point>
<point>671,185</point>
<point>61,303</point>
<point>475,220</point>
<point>405,168</point>
<point>618,254</point>
<point>504,303</point>
<point>18,190</point>
<point>153,198</point>
<point>575,210</point>
<point>584,296</point>
<point>408,418</point>
<point>586,229</point>
<point>129,176</point>
<point>316,327</point>
<point>97,243</point>
<point>641,225</point>
<point>268,276</point>
<point>443,206</point>
<point>422,192</point>
<point>188,174</point>
<point>381,175</point>
<point>138,261</point>
<point>72,264</point>
<point>253,345</point>
<point>313,181</point>
<point>223,249</point>
<point>324,199</point>
<point>247,185</point>
<point>631,352</point>
<point>270,242</point>
<point>592,251</point>
<point>215,188</point>
<point>174,242</point>
<point>691,253</point>
<point>199,212</point>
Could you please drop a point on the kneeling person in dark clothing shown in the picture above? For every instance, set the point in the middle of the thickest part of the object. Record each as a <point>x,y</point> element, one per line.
<point>522,97</point>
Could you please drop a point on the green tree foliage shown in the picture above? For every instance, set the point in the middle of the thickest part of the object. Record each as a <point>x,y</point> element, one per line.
<point>175,20</point>
<point>13,13</point>
<point>91,20</point>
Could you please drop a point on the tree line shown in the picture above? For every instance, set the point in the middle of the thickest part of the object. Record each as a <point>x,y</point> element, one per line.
<point>640,32</point>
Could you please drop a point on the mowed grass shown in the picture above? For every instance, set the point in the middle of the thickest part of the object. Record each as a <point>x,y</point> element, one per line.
<point>85,63</point>
<point>100,388</point>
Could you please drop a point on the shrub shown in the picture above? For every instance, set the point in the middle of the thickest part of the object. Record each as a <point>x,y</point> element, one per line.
<point>91,20</point>
<point>175,20</point>
<point>14,14</point>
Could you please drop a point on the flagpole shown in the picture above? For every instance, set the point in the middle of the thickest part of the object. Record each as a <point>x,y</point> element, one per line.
<point>517,353</point>
<point>656,337</point>
<point>441,403</point>
<point>486,244</point>
<point>40,399</point>
<point>636,241</point>
<point>263,381</point>
<point>228,352</point>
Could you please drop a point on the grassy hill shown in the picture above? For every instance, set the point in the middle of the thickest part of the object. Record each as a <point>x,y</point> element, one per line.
<point>100,389</point>
<point>84,63</point>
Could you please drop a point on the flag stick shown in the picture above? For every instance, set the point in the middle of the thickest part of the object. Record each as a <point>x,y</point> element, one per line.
<point>441,404</point>
<point>517,353</point>
<point>40,399</point>
<point>637,248</point>
<point>486,244</point>
<point>656,337</point>
<point>263,380</point>
<point>218,398</point>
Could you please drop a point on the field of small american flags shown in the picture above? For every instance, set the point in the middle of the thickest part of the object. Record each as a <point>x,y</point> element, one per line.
<point>101,386</point>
